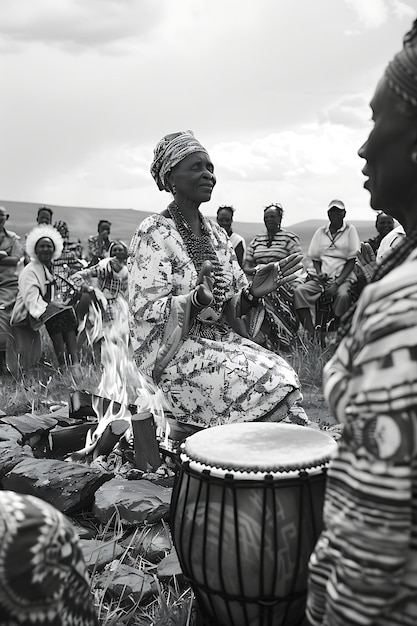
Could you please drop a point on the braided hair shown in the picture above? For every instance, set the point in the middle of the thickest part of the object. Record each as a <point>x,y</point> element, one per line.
<point>394,259</point>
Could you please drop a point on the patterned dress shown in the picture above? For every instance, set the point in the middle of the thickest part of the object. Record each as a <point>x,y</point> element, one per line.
<point>111,283</point>
<point>279,305</point>
<point>364,567</point>
<point>43,577</point>
<point>210,374</point>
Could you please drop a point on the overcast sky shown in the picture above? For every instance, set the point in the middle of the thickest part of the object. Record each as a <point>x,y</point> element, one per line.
<point>276,90</point>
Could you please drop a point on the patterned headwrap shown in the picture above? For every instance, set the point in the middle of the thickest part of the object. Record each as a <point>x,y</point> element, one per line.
<point>401,73</point>
<point>117,243</point>
<point>169,151</point>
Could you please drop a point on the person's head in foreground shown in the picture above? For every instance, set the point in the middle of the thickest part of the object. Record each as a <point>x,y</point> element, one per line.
<point>182,166</point>
<point>44,215</point>
<point>225,218</point>
<point>390,151</point>
<point>273,217</point>
<point>363,567</point>
<point>44,243</point>
<point>336,213</point>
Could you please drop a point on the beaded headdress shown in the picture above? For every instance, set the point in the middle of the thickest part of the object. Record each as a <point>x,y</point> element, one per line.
<point>40,232</point>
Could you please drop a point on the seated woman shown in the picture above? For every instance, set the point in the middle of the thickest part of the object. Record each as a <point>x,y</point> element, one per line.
<point>11,251</point>
<point>384,224</point>
<point>36,304</point>
<point>225,220</point>
<point>189,300</point>
<point>104,289</point>
<point>281,322</point>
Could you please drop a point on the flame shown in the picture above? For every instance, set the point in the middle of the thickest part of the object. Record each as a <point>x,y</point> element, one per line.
<point>121,381</point>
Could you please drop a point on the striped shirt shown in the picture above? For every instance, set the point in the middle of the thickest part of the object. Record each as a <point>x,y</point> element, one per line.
<point>262,249</point>
<point>364,567</point>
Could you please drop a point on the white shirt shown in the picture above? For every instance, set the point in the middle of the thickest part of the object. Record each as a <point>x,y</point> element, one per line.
<point>392,239</point>
<point>333,250</point>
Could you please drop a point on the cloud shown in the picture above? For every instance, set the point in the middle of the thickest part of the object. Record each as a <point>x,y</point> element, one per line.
<point>402,10</point>
<point>74,23</point>
<point>351,111</point>
<point>371,13</point>
<point>277,91</point>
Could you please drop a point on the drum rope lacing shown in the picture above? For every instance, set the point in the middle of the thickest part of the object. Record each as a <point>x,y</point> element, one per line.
<point>198,468</point>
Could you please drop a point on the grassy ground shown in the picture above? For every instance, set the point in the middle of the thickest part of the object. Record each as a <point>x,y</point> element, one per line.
<point>45,386</point>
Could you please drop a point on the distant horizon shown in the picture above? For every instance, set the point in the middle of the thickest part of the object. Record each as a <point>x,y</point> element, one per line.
<point>236,221</point>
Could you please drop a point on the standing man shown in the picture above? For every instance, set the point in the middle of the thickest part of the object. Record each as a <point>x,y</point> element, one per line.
<point>225,220</point>
<point>333,250</point>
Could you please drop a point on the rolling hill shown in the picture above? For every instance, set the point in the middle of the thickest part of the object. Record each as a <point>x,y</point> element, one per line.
<point>82,222</point>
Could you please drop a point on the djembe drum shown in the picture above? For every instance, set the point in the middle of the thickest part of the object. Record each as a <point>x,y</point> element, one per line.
<point>246,512</point>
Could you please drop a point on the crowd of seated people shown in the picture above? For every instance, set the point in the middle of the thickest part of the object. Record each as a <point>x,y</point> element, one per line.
<point>47,282</point>
<point>63,289</point>
<point>338,266</point>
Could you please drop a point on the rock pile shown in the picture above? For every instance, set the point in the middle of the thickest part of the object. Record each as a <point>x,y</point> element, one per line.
<point>132,506</point>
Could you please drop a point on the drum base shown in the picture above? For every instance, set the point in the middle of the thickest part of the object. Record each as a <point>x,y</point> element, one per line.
<point>250,614</point>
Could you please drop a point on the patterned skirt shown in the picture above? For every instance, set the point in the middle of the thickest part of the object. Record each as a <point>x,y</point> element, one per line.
<point>43,577</point>
<point>281,317</point>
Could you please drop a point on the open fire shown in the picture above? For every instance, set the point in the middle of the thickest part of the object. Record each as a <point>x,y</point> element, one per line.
<point>135,404</point>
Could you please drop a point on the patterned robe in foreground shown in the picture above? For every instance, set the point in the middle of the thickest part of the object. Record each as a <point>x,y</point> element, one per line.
<point>208,372</point>
<point>43,577</point>
<point>364,567</point>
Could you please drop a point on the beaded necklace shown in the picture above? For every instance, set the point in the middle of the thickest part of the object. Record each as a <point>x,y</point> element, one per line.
<point>201,249</point>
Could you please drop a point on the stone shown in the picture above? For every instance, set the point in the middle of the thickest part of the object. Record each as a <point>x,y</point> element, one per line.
<point>152,542</point>
<point>9,433</point>
<point>70,487</point>
<point>11,454</point>
<point>170,567</point>
<point>135,501</point>
<point>30,425</point>
<point>97,553</point>
<point>123,581</point>
<point>84,532</point>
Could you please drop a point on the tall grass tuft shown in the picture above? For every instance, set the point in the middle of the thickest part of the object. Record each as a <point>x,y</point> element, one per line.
<point>308,357</point>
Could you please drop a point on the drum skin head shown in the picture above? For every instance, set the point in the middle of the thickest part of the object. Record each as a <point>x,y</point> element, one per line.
<point>259,447</point>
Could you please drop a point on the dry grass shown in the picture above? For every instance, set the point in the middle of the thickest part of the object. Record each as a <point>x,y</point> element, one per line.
<point>308,357</point>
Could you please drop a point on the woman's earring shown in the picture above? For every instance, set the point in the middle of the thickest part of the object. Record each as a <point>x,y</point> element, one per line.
<point>174,189</point>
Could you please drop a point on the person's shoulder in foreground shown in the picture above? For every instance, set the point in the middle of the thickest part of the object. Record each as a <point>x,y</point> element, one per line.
<point>363,569</point>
